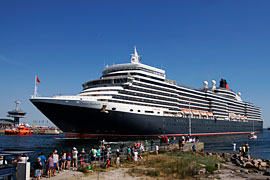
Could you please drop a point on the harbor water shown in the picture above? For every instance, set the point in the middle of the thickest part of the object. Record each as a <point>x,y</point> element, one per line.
<point>259,148</point>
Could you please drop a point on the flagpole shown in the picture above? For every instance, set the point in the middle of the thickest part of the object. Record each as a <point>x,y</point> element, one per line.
<point>35,88</point>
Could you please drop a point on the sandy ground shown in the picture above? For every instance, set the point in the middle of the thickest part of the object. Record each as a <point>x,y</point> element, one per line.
<point>120,173</point>
<point>113,174</point>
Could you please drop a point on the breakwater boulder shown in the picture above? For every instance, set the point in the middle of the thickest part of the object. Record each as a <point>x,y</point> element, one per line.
<point>252,165</point>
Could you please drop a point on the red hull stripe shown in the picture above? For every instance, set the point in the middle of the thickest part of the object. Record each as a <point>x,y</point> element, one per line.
<point>77,135</point>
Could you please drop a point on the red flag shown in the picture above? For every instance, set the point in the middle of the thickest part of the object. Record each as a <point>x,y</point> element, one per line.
<point>37,79</point>
<point>227,86</point>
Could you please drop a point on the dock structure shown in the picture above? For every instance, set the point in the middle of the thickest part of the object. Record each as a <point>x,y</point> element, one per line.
<point>199,146</point>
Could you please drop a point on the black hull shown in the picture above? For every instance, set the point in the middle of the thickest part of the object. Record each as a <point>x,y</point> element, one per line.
<point>87,122</point>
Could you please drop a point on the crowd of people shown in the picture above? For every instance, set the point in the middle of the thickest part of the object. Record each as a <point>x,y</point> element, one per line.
<point>243,150</point>
<point>55,162</point>
<point>50,164</point>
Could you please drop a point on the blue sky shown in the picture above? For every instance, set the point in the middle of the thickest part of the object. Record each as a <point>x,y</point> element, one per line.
<point>67,43</point>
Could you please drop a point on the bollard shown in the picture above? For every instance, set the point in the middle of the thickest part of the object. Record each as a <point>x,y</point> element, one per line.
<point>23,171</point>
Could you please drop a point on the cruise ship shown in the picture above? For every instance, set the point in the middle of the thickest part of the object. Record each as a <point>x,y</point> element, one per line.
<point>137,100</point>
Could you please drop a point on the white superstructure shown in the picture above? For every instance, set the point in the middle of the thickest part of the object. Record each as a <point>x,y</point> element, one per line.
<point>142,89</point>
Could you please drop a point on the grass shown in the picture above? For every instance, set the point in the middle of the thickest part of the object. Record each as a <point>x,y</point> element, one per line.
<point>175,165</point>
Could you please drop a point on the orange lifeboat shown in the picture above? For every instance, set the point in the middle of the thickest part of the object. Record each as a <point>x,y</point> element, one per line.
<point>21,130</point>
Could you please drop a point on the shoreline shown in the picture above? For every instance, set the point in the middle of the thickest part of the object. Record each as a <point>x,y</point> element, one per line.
<point>230,166</point>
<point>227,171</point>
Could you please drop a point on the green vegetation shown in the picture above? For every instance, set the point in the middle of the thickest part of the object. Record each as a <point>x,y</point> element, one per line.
<point>175,165</point>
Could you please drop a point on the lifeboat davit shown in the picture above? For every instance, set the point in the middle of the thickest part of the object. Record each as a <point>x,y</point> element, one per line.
<point>21,130</point>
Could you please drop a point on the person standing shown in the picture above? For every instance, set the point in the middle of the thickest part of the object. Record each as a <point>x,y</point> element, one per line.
<point>146,145</point>
<point>128,153</point>
<point>157,149</point>
<point>117,158</point>
<point>74,158</point>
<point>43,162</point>
<point>234,147</point>
<point>68,159</point>
<point>244,150</point>
<point>63,160</point>
<point>50,166</point>
<point>240,150</point>
<point>135,156</point>
<point>82,156</point>
<point>93,156</point>
<point>38,168</point>
<point>247,148</point>
<point>56,161</point>
<point>194,147</point>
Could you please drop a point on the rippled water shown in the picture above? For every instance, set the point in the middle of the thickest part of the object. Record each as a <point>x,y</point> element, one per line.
<point>259,148</point>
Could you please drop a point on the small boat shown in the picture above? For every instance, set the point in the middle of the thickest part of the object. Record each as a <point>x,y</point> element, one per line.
<point>252,136</point>
<point>21,130</point>
<point>268,128</point>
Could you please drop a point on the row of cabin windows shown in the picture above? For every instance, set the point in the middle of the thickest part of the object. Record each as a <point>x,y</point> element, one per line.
<point>131,110</point>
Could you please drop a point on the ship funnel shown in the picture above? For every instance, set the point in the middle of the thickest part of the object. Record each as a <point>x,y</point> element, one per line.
<point>213,82</point>
<point>205,84</point>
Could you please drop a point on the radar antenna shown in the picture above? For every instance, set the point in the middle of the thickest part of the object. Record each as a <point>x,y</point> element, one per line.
<point>135,58</point>
<point>17,105</point>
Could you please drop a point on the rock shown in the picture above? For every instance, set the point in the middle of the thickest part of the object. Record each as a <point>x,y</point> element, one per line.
<point>217,165</point>
<point>244,171</point>
<point>241,158</point>
<point>263,164</point>
<point>235,156</point>
<point>261,168</point>
<point>248,165</point>
<point>254,161</point>
<point>228,159</point>
<point>225,155</point>
<point>237,170</point>
<point>248,156</point>
<point>202,171</point>
<point>202,165</point>
<point>259,160</point>
<point>251,171</point>
<point>237,162</point>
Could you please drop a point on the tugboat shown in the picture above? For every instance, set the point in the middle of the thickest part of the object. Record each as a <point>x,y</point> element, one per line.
<point>21,130</point>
